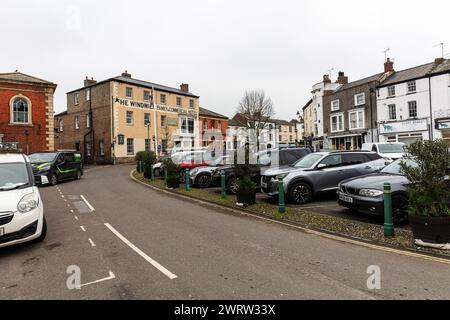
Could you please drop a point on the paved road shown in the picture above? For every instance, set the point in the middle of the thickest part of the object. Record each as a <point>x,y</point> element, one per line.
<point>155,246</point>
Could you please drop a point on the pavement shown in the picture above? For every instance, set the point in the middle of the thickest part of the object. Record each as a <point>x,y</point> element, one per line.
<point>130,242</point>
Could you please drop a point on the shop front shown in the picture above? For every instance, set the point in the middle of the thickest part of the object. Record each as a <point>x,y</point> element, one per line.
<point>408,131</point>
<point>443,126</point>
<point>347,141</point>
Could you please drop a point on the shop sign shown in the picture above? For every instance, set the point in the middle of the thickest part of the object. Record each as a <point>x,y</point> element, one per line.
<point>404,126</point>
<point>145,105</point>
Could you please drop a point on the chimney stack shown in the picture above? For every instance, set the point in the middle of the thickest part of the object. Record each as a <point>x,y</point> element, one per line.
<point>126,74</point>
<point>438,61</point>
<point>184,87</point>
<point>88,82</point>
<point>342,79</point>
<point>388,66</point>
<point>326,78</point>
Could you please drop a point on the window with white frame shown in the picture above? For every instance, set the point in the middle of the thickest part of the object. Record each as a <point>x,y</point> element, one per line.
<point>77,122</point>
<point>187,125</point>
<point>163,121</point>
<point>392,110</point>
<point>76,98</point>
<point>191,103</point>
<point>391,91</point>
<point>129,92</point>
<point>146,95</point>
<point>162,99</point>
<point>130,119</point>
<point>337,122</point>
<point>130,146</point>
<point>61,125</point>
<point>411,86</point>
<point>412,109</point>
<point>315,114</point>
<point>360,99</point>
<point>88,94</point>
<point>147,118</point>
<point>101,148</point>
<point>21,111</point>
<point>356,119</point>
<point>178,102</point>
<point>335,105</point>
<point>88,120</point>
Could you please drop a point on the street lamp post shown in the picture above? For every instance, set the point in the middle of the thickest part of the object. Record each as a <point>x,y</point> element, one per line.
<point>147,124</point>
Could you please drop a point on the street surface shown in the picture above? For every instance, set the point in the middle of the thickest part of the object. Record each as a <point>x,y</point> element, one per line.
<point>131,242</point>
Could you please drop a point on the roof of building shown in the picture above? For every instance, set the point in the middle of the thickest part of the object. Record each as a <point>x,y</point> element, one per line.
<point>211,114</point>
<point>281,122</point>
<point>442,67</point>
<point>235,123</point>
<point>409,74</point>
<point>307,104</point>
<point>61,114</point>
<point>360,82</point>
<point>140,83</point>
<point>24,78</point>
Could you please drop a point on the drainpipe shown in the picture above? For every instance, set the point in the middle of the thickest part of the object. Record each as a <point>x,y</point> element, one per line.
<point>431,109</point>
<point>371,113</point>
<point>91,123</point>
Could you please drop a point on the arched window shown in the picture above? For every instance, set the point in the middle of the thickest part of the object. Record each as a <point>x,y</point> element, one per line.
<point>21,110</point>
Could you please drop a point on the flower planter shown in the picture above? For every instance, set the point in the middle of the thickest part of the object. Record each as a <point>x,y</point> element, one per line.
<point>431,229</point>
<point>247,197</point>
<point>173,182</point>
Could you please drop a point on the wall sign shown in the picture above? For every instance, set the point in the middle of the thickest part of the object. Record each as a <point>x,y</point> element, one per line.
<point>145,105</point>
<point>404,126</point>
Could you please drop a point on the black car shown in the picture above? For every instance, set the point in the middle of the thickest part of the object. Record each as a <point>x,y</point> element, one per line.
<point>365,194</point>
<point>53,167</point>
<point>286,157</point>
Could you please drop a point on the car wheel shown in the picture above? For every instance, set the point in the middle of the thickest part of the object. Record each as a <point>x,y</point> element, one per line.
<point>231,185</point>
<point>53,179</point>
<point>157,172</point>
<point>399,209</point>
<point>43,233</point>
<point>203,181</point>
<point>78,177</point>
<point>300,193</point>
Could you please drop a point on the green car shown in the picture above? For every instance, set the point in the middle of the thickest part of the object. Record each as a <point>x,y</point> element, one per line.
<point>53,167</point>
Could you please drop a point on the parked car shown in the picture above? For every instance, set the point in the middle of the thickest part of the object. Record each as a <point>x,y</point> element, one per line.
<point>365,194</point>
<point>21,209</point>
<point>390,151</point>
<point>202,176</point>
<point>286,157</point>
<point>53,167</point>
<point>192,160</point>
<point>320,172</point>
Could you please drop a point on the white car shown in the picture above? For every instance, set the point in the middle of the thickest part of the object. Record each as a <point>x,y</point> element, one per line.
<point>21,209</point>
<point>390,151</point>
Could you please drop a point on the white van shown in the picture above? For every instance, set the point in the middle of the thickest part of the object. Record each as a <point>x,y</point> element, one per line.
<point>21,209</point>
<point>389,150</point>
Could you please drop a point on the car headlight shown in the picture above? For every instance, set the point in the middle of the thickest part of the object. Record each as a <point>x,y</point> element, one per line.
<point>46,168</point>
<point>28,202</point>
<point>370,192</point>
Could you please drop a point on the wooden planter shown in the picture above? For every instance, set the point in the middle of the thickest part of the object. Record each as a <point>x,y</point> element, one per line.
<point>431,229</point>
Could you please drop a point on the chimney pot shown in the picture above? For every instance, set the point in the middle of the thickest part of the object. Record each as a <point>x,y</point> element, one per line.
<point>88,82</point>
<point>388,66</point>
<point>126,74</point>
<point>184,87</point>
<point>326,78</point>
<point>342,79</point>
<point>439,60</point>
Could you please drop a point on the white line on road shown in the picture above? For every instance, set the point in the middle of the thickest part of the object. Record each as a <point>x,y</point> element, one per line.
<point>62,196</point>
<point>111,276</point>
<point>166,272</point>
<point>71,211</point>
<point>76,218</point>
<point>91,242</point>
<point>87,203</point>
<point>82,228</point>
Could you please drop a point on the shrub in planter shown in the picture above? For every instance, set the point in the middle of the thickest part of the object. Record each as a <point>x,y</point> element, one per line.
<point>428,190</point>
<point>172,170</point>
<point>246,191</point>
<point>148,158</point>
<point>173,182</point>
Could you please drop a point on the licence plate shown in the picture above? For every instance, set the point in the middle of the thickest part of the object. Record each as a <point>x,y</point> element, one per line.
<point>44,180</point>
<point>2,231</point>
<point>345,198</point>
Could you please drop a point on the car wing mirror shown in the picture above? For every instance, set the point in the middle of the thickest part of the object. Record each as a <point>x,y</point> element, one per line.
<point>321,166</point>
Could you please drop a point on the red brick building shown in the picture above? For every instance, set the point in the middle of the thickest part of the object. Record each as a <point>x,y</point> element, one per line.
<point>26,112</point>
<point>212,120</point>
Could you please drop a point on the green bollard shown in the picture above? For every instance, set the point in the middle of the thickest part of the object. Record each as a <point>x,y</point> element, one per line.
<point>223,192</point>
<point>187,178</point>
<point>281,204</point>
<point>388,224</point>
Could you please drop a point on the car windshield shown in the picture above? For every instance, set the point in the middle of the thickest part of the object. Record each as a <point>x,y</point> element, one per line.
<point>391,148</point>
<point>308,161</point>
<point>13,176</point>
<point>394,167</point>
<point>42,157</point>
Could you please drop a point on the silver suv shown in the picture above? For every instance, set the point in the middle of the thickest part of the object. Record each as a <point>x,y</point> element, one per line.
<point>320,172</point>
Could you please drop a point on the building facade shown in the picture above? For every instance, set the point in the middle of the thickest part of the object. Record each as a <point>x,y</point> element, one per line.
<point>414,104</point>
<point>111,120</point>
<point>26,112</point>
<point>286,131</point>
<point>350,111</point>
<point>213,127</point>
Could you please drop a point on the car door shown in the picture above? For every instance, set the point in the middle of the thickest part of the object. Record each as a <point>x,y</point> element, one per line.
<point>329,172</point>
<point>70,166</point>
<point>60,167</point>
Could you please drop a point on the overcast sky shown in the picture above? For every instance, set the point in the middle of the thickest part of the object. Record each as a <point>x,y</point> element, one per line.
<point>221,48</point>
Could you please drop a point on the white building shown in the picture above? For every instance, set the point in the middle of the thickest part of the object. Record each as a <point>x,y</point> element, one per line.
<point>408,100</point>
<point>318,92</point>
<point>440,101</point>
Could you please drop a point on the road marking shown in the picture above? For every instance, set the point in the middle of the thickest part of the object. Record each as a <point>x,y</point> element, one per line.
<point>166,272</point>
<point>91,242</point>
<point>82,228</point>
<point>87,203</point>
<point>68,205</point>
<point>76,218</point>
<point>71,210</point>
<point>111,276</point>
<point>310,231</point>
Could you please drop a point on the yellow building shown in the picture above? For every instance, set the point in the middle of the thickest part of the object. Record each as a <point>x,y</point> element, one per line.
<point>111,120</point>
